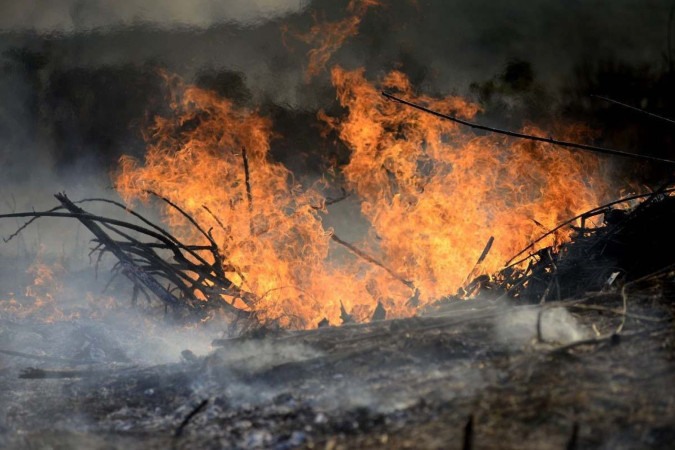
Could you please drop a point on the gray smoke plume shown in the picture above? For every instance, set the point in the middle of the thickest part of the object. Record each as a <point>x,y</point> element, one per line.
<point>77,15</point>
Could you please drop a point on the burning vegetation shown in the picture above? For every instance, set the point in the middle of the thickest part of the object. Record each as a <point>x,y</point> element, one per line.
<point>432,192</point>
<point>490,267</point>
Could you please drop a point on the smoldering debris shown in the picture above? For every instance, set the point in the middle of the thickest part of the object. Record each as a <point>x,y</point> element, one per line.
<point>388,382</point>
<point>570,346</point>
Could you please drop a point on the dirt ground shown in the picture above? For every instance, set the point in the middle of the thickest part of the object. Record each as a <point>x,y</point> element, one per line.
<point>411,383</point>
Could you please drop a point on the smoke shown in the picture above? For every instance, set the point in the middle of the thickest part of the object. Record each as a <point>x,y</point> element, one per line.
<point>518,327</point>
<point>66,16</point>
<point>78,79</point>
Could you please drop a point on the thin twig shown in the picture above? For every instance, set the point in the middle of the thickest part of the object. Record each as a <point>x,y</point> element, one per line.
<point>554,278</point>
<point>587,214</point>
<point>647,113</point>
<point>249,195</point>
<point>607,338</point>
<point>566,144</point>
<point>621,312</point>
<point>572,443</point>
<point>480,260</point>
<point>194,412</point>
<point>624,292</point>
<point>331,201</point>
<point>184,214</point>
<point>361,254</point>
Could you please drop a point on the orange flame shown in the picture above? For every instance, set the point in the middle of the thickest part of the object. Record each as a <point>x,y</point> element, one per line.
<point>433,193</point>
<point>39,300</point>
<point>275,243</point>
<point>328,37</point>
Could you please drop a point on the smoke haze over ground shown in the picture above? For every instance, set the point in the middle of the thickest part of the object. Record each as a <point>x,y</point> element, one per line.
<point>80,81</point>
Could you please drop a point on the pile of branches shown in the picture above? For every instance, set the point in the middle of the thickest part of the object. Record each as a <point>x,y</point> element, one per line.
<point>191,282</point>
<point>630,244</point>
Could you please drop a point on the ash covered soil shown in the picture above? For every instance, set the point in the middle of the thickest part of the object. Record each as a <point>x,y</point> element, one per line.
<point>410,383</point>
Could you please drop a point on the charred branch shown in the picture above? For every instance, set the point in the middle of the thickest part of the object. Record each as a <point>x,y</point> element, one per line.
<point>247,182</point>
<point>366,257</point>
<point>633,108</point>
<point>566,144</point>
<point>177,284</point>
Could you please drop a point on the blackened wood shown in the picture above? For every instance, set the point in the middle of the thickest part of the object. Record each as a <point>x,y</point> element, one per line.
<point>130,269</point>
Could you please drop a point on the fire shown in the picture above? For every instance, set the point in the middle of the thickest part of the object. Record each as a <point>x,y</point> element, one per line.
<point>435,193</point>
<point>40,298</point>
<point>327,37</point>
<point>211,158</point>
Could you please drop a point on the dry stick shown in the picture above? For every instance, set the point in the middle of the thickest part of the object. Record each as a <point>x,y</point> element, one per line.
<point>184,214</point>
<point>654,196</point>
<point>157,266</point>
<point>194,412</point>
<point>34,373</point>
<point>190,249</point>
<point>572,145</point>
<point>611,337</point>
<point>331,201</point>
<point>590,213</point>
<point>468,434</point>
<point>222,226</point>
<point>132,270</point>
<point>133,213</point>
<point>554,278</point>
<point>624,294</point>
<point>249,195</point>
<point>218,263</point>
<point>647,113</point>
<point>620,312</point>
<point>27,223</point>
<point>372,260</point>
<point>168,240</point>
<point>83,215</point>
<point>481,258</point>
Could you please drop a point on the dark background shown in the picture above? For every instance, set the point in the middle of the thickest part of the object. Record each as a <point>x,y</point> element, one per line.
<point>78,80</point>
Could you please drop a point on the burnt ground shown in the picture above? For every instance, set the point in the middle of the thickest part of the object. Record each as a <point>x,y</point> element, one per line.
<point>411,383</point>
